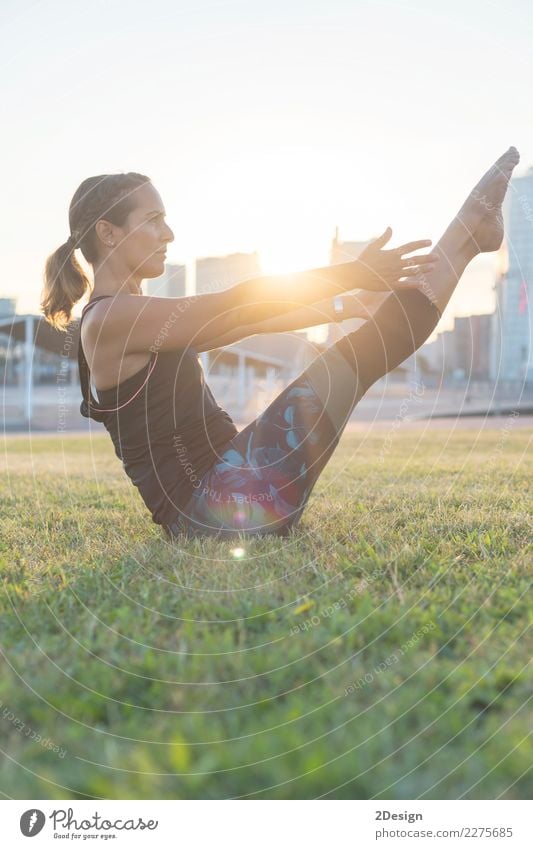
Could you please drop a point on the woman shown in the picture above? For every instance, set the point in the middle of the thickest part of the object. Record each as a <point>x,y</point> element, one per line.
<point>195,472</point>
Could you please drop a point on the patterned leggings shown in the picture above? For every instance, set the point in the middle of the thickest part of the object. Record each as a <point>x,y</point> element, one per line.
<point>261,482</point>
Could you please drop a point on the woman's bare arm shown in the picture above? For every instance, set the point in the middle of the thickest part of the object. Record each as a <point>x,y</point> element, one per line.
<point>127,324</point>
<point>296,319</point>
<point>375,269</point>
<point>360,305</point>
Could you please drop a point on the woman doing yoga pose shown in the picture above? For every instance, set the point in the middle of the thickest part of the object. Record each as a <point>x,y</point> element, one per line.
<point>195,472</point>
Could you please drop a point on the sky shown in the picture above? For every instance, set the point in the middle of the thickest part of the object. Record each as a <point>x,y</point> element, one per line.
<point>263,125</point>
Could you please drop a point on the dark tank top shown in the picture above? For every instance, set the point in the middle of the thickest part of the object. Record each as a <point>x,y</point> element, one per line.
<point>165,423</point>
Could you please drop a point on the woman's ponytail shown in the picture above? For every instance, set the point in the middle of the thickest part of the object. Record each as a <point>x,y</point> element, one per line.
<point>65,283</point>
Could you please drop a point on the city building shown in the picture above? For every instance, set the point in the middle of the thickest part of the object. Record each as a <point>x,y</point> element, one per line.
<point>512,349</point>
<point>462,352</point>
<point>344,251</point>
<point>8,365</point>
<point>8,306</point>
<point>221,272</point>
<point>170,284</point>
<point>472,345</point>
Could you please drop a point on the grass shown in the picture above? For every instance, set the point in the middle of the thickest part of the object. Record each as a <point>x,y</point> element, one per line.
<point>380,652</point>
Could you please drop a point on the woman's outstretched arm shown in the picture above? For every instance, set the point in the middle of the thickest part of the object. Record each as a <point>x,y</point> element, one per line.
<point>356,305</point>
<point>376,269</point>
<point>127,324</point>
<point>263,305</point>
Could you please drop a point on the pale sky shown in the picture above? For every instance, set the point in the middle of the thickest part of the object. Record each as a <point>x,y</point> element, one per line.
<point>263,125</point>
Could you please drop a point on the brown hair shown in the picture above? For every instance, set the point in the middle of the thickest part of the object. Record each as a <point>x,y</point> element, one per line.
<point>106,196</point>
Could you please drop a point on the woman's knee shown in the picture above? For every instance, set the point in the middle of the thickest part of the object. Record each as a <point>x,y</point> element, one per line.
<point>335,383</point>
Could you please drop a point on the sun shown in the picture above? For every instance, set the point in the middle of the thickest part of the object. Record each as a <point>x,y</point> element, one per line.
<point>286,258</point>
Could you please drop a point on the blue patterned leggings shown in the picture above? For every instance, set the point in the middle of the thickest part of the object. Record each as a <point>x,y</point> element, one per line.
<point>261,482</point>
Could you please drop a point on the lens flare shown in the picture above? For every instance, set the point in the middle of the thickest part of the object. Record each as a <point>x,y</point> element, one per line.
<point>238,553</point>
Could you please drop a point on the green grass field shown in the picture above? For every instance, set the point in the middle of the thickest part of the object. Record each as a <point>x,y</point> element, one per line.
<point>379,652</point>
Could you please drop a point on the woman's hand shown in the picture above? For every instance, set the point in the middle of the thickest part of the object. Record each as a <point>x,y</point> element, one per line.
<point>388,270</point>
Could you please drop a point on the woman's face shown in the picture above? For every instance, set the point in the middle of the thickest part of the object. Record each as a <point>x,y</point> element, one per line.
<point>144,237</point>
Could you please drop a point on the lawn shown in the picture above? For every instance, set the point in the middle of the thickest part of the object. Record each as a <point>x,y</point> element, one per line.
<point>381,651</point>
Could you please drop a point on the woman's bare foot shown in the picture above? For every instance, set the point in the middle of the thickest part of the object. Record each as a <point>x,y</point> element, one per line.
<point>476,228</point>
<point>481,213</point>
<point>488,235</point>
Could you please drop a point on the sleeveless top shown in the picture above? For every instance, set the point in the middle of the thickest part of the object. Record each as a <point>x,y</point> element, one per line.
<point>165,424</point>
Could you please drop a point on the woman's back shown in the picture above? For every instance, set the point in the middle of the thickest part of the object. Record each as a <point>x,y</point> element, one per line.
<point>165,424</point>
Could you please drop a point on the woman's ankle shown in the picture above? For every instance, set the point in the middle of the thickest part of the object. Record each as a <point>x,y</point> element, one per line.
<point>442,282</point>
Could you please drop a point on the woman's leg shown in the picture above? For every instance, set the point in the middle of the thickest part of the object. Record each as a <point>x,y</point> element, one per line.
<point>263,480</point>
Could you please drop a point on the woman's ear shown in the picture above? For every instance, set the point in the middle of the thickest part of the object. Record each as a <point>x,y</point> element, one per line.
<point>105,231</point>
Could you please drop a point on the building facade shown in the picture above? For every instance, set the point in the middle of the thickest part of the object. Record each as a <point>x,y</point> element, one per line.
<point>463,352</point>
<point>8,306</point>
<point>170,284</point>
<point>220,272</point>
<point>512,349</point>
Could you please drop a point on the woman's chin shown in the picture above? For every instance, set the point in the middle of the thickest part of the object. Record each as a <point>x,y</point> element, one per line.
<point>155,268</point>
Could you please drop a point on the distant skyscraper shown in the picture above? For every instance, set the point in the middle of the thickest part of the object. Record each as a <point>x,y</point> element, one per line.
<point>464,350</point>
<point>344,251</point>
<point>170,284</point>
<point>7,307</point>
<point>512,349</point>
<point>220,272</point>
<point>471,346</point>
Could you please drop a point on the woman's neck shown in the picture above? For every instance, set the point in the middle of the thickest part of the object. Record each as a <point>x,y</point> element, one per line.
<point>112,276</point>
<point>107,285</point>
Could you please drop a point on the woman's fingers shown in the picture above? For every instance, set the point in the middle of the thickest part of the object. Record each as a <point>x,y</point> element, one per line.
<point>417,270</point>
<point>426,259</point>
<point>412,246</point>
<point>416,274</point>
<point>413,269</point>
<point>383,239</point>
